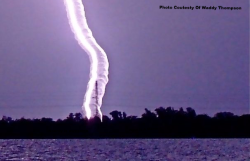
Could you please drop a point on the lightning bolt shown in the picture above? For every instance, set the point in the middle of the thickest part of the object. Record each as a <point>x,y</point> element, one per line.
<point>98,59</point>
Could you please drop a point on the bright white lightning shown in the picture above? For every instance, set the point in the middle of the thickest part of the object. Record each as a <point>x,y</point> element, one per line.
<point>98,59</point>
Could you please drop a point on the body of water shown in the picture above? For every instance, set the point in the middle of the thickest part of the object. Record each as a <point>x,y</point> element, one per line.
<point>126,149</point>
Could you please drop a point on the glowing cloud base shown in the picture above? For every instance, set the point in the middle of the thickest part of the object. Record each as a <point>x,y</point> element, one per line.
<point>98,59</point>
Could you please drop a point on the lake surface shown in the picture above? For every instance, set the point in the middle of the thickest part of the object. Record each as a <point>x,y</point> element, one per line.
<point>126,149</point>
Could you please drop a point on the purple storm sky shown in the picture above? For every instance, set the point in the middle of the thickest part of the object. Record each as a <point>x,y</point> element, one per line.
<point>179,58</point>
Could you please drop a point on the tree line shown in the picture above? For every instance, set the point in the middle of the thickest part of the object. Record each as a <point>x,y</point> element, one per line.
<point>161,123</point>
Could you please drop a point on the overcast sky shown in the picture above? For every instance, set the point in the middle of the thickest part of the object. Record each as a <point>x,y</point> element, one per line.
<point>158,57</point>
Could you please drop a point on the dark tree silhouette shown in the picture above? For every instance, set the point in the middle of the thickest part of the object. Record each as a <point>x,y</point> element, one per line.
<point>116,115</point>
<point>124,115</point>
<point>164,123</point>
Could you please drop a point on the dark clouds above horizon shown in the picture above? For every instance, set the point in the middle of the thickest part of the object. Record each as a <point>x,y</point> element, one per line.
<point>176,58</point>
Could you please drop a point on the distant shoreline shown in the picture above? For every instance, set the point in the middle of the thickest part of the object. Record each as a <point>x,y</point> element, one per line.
<point>163,123</point>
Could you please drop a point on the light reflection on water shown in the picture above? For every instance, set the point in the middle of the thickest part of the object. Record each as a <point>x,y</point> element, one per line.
<point>125,149</point>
